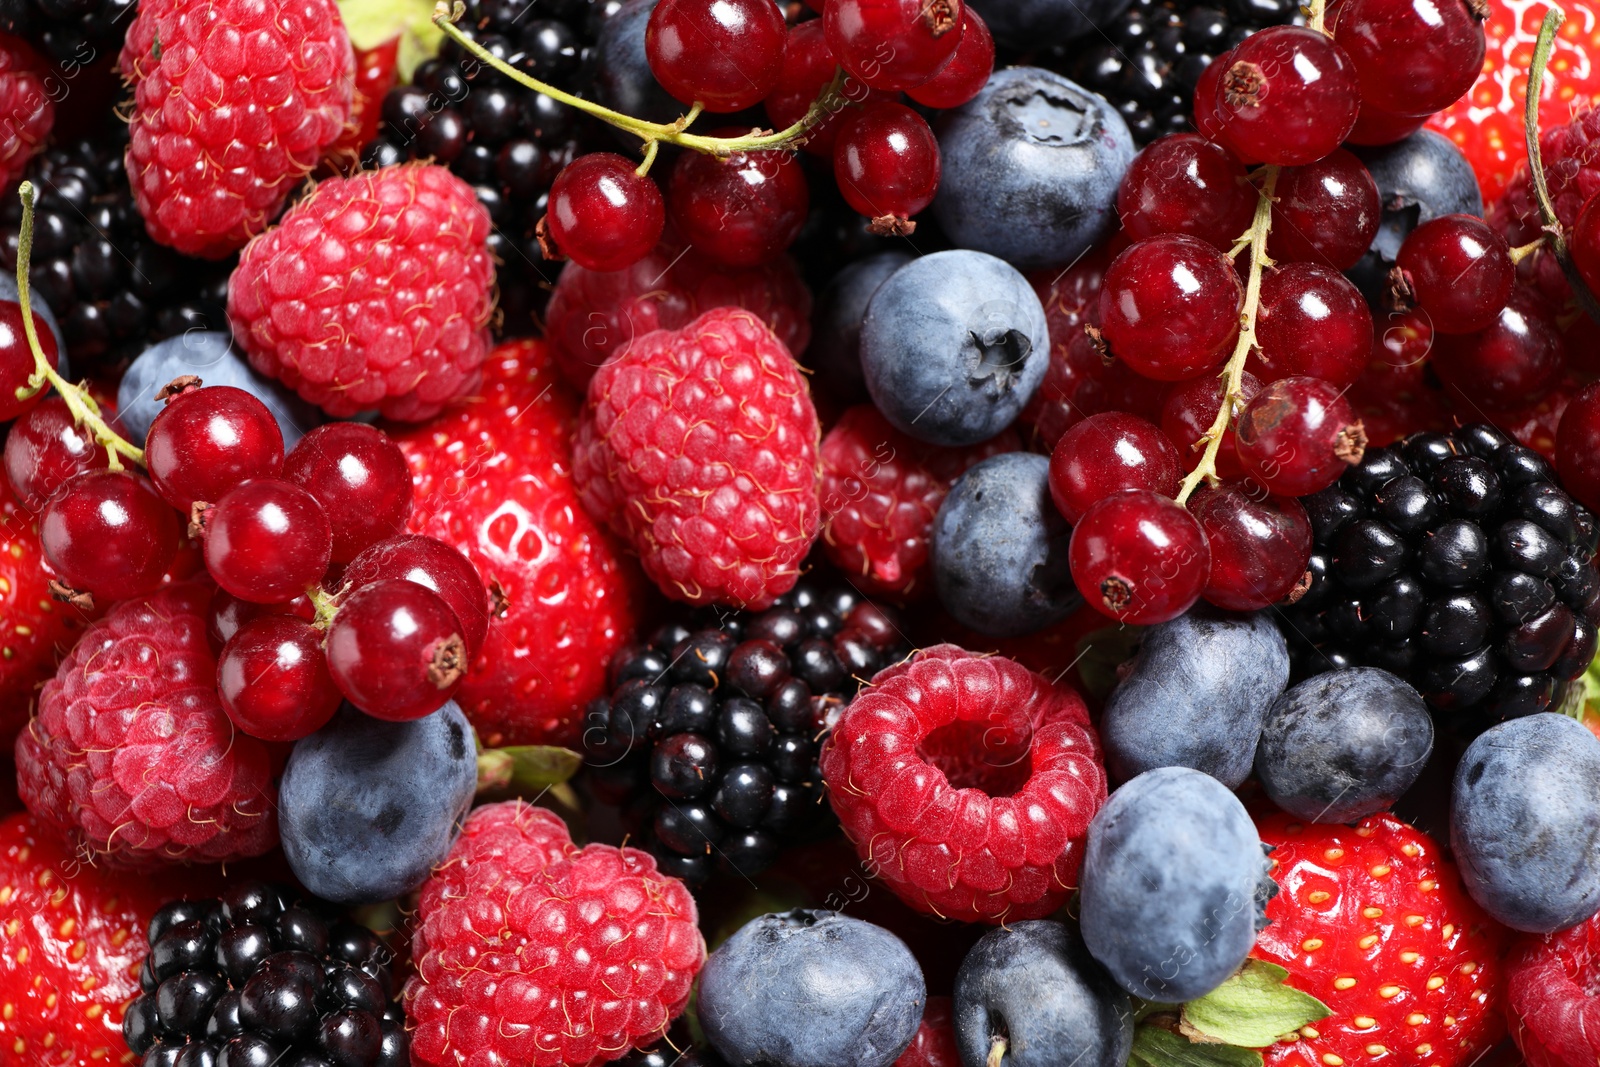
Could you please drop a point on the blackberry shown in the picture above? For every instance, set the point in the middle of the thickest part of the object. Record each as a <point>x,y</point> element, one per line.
<point>1458,562</point>
<point>1146,62</point>
<point>113,290</point>
<point>262,978</point>
<point>71,32</point>
<point>711,734</point>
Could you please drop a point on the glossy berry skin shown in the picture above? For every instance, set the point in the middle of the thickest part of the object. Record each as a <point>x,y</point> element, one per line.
<point>1311,322</point>
<point>1139,557</point>
<point>1298,435</point>
<point>1375,127</point>
<point>1513,362</point>
<point>808,66</point>
<point>1107,453</point>
<point>725,55</point>
<point>602,214</point>
<point>1577,445</point>
<point>208,440</point>
<point>1411,59</point>
<point>1189,185</point>
<point>395,650</point>
<point>965,73</point>
<point>886,162</point>
<point>741,211</point>
<point>893,44</point>
<point>45,449</point>
<point>1169,307</point>
<point>267,540</point>
<point>1259,544</point>
<point>226,615</point>
<point>108,533</point>
<point>1189,409</point>
<point>1459,271</point>
<point>1584,244</point>
<point>273,679</point>
<point>1287,96</point>
<point>1326,212</point>
<point>360,478</point>
<point>16,358</point>
<point>438,566</point>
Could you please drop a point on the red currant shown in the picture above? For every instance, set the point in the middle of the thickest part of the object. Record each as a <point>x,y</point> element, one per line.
<point>434,564</point>
<point>893,44</point>
<point>1457,270</point>
<point>1404,339</point>
<point>1107,453</point>
<point>960,79</point>
<point>743,210</point>
<point>267,540</point>
<point>273,679</point>
<point>205,441</point>
<point>1191,407</point>
<point>724,55</point>
<point>886,163</point>
<point>1584,242</point>
<point>1139,557</point>
<point>359,477</point>
<point>1186,184</point>
<point>808,66</point>
<point>45,448</point>
<point>1410,57</point>
<point>395,650</point>
<point>1169,307</point>
<point>1312,323</point>
<point>109,534</point>
<point>603,214</point>
<point>1326,213</point>
<point>1260,545</point>
<point>1577,445</point>
<point>1287,95</point>
<point>227,613</point>
<point>1375,127</point>
<point>1208,111</point>
<point>1121,388</point>
<point>16,358</point>
<point>1298,435</point>
<point>1514,362</point>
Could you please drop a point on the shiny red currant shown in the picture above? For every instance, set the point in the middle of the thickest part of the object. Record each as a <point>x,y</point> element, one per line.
<point>1457,270</point>
<point>430,563</point>
<point>722,54</point>
<point>1298,435</point>
<point>1312,323</point>
<point>1377,127</point>
<point>1139,557</point>
<point>227,613</point>
<point>273,679</point>
<point>893,44</point>
<point>1189,185</point>
<point>808,66</point>
<point>207,440</point>
<point>1577,445</point>
<point>1105,454</point>
<point>603,214</point>
<point>395,650</point>
<point>1514,362</point>
<point>1169,307</point>
<point>108,533</point>
<point>1325,213</point>
<point>16,358</point>
<point>267,541</point>
<point>1411,57</point>
<point>960,79</point>
<point>45,448</point>
<point>1260,544</point>
<point>886,164</point>
<point>1191,407</point>
<point>360,478</point>
<point>743,210</point>
<point>1287,95</point>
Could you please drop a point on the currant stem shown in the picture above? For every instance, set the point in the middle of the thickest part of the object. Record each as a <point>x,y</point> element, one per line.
<point>324,603</point>
<point>1522,252</point>
<point>1316,16</point>
<point>85,412</point>
<point>1255,240</point>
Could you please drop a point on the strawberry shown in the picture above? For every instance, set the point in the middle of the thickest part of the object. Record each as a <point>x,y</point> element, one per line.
<point>1373,921</point>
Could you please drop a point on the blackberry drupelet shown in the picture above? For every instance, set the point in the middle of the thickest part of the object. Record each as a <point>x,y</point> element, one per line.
<point>260,978</point>
<point>711,735</point>
<point>69,31</point>
<point>1459,563</point>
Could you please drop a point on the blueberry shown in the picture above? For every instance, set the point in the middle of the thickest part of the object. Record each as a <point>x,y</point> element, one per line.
<point>1173,885</point>
<point>367,807</point>
<point>811,989</point>
<point>1029,25</point>
<point>622,77</point>
<point>212,357</point>
<point>1000,548</point>
<point>1419,179</point>
<point>835,348</point>
<point>954,344</point>
<point>1196,696</point>
<point>1525,822</point>
<point>1030,169</point>
<point>1343,745</point>
<point>8,292</point>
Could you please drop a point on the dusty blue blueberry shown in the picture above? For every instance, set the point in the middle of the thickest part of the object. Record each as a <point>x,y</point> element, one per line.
<point>367,807</point>
<point>1033,986</point>
<point>1525,822</point>
<point>1030,168</point>
<point>1195,696</point>
<point>953,346</point>
<point>1343,745</point>
<point>211,356</point>
<point>8,291</point>
<point>622,78</point>
<point>1419,179</point>
<point>835,349</point>
<point>1174,885</point>
<point>811,989</point>
<point>1027,25</point>
<point>1000,548</point>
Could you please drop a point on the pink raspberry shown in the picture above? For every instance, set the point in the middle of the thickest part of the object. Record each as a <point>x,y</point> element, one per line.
<point>373,292</point>
<point>699,447</point>
<point>530,950</point>
<point>131,755</point>
<point>967,783</point>
<point>881,490</point>
<point>233,103</point>
<point>26,104</point>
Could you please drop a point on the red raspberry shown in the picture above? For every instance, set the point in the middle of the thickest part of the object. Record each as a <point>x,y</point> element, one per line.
<point>1553,996</point>
<point>1571,155</point>
<point>699,446</point>
<point>26,104</point>
<point>594,317</point>
<point>233,103</point>
<point>493,477</point>
<point>880,491</point>
<point>373,292</point>
<point>967,783</point>
<point>131,754</point>
<point>530,950</point>
<point>935,1042</point>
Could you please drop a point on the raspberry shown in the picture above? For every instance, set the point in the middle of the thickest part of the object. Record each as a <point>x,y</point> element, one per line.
<point>880,491</point>
<point>967,783</point>
<point>699,446</point>
<point>531,950</point>
<point>131,754</point>
<point>373,292</point>
<point>29,112</point>
<point>1553,996</point>
<point>492,476</point>
<point>1571,155</point>
<point>233,103</point>
<point>596,317</point>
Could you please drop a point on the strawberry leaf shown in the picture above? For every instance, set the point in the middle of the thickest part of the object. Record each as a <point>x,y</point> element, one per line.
<point>1252,1009</point>
<point>1156,1047</point>
<point>371,23</point>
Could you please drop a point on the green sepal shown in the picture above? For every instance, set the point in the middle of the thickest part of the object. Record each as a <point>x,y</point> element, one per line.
<point>1252,1009</point>
<point>525,769</point>
<point>1154,1046</point>
<point>371,23</point>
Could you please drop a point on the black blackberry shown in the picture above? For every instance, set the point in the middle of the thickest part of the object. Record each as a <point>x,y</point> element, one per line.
<point>1146,61</point>
<point>1458,562</point>
<point>113,289</point>
<point>260,978</point>
<point>71,32</point>
<point>711,735</point>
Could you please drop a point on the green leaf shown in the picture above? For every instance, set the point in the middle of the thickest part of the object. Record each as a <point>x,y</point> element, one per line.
<point>1251,1009</point>
<point>524,769</point>
<point>1155,1047</point>
<point>371,23</point>
<point>1101,652</point>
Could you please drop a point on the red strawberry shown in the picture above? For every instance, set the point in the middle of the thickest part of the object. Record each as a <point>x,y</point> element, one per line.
<point>1373,921</point>
<point>493,477</point>
<point>1553,996</point>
